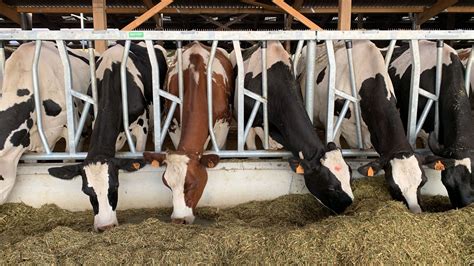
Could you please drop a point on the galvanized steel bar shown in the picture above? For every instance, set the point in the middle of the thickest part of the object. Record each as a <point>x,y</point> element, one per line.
<point>331,92</point>
<point>389,54</point>
<point>266,132</point>
<point>37,97</point>
<point>355,94</point>
<point>85,98</point>
<point>346,96</point>
<point>179,54</point>
<point>169,96</point>
<point>95,97</point>
<point>210,116</point>
<point>310,64</point>
<point>155,75</point>
<point>414,87</point>
<point>123,80</point>
<point>240,96</point>
<point>167,122</point>
<point>82,121</point>
<point>342,114</point>
<point>439,76</point>
<point>296,56</point>
<point>251,119</point>
<point>2,58</point>
<point>467,79</point>
<point>423,116</point>
<point>254,96</point>
<point>427,94</point>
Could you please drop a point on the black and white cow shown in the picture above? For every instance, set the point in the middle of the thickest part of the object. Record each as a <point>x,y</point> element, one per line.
<point>464,56</point>
<point>99,170</point>
<point>381,124</point>
<point>18,129</point>
<point>456,129</point>
<point>326,174</point>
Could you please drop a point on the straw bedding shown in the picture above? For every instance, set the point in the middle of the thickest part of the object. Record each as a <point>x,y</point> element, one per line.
<point>289,229</point>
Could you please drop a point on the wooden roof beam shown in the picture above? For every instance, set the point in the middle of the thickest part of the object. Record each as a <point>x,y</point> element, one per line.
<point>432,11</point>
<point>344,15</point>
<point>149,4</point>
<point>262,5</point>
<point>9,12</point>
<point>290,10</point>
<point>144,17</point>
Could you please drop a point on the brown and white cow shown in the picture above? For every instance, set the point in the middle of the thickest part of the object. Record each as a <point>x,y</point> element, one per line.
<point>186,173</point>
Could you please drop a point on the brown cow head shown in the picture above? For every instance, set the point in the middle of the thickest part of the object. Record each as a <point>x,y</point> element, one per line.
<point>186,176</point>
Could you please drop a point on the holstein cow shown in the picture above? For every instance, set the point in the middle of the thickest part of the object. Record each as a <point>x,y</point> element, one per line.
<point>326,174</point>
<point>456,129</point>
<point>18,130</point>
<point>381,123</point>
<point>185,172</point>
<point>99,170</point>
<point>464,56</point>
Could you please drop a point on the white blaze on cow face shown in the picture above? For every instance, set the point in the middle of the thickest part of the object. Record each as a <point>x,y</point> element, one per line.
<point>407,175</point>
<point>465,162</point>
<point>175,177</point>
<point>334,161</point>
<point>98,178</point>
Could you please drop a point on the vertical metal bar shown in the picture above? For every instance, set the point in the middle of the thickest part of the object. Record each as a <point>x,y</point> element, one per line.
<point>331,92</point>
<point>296,56</point>
<point>467,80</point>
<point>210,116</point>
<point>71,120</point>
<point>37,97</point>
<point>414,86</point>
<point>265,95</point>
<point>90,45</point>
<point>168,121</point>
<point>179,51</point>
<point>123,79</point>
<point>355,94</point>
<point>439,76</point>
<point>2,58</point>
<point>81,123</point>
<point>310,64</point>
<point>155,77</point>
<point>240,95</point>
<point>389,54</point>
<point>251,119</point>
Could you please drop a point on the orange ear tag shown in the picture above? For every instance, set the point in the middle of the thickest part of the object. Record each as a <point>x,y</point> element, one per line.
<point>210,164</point>
<point>439,166</point>
<point>136,166</point>
<point>155,163</point>
<point>299,169</point>
<point>370,171</point>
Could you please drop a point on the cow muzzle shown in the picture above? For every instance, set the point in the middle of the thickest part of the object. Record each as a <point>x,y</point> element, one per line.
<point>104,228</point>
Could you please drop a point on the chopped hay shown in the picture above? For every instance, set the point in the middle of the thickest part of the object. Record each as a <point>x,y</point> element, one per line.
<point>289,229</point>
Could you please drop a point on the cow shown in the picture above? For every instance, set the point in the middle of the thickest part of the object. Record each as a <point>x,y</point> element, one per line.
<point>99,171</point>
<point>454,146</point>
<point>464,56</point>
<point>381,125</point>
<point>186,173</point>
<point>327,176</point>
<point>18,131</point>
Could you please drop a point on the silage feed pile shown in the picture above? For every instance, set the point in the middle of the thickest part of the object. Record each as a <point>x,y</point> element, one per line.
<point>290,229</point>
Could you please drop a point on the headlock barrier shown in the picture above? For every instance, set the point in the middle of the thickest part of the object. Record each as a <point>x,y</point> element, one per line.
<point>75,125</point>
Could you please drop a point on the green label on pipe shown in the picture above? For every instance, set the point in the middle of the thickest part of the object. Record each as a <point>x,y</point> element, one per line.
<point>136,34</point>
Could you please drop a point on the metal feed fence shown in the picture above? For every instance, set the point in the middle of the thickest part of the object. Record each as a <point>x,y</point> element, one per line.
<point>236,37</point>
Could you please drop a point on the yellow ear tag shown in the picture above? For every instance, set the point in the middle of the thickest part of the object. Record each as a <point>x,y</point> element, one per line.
<point>370,171</point>
<point>299,169</point>
<point>136,166</point>
<point>439,166</point>
<point>155,163</point>
<point>210,164</point>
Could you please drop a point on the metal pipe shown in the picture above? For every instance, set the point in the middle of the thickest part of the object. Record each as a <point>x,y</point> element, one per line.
<point>168,122</point>
<point>355,94</point>
<point>414,86</point>
<point>155,75</point>
<point>331,92</point>
<point>296,57</point>
<point>210,116</point>
<point>256,106</point>
<point>389,54</point>
<point>82,121</point>
<point>310,65</point>
<point>423,116</point>
<point>240,96</point>
<point>439,76</point>
<point>427,94</point>
<point>266,132</point>
<point>85,98</point>
<point>254,96</point>
<point>346,96</point>
<point>71,119</point>
<point>37,97</point>
<point>179,52</point>
<point>467,80</point>
<point>169,96</point>
<point>2,58</point>
<point>341,116</point>
<point>123,80</point>
<point>95,96</point>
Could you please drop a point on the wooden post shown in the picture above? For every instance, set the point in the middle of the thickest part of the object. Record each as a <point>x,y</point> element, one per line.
<point>100,22</point>
<point>290,10</point>
<point>9,12</point>
<point>145,16</point>
<point>432,11</point>
<point>344,19</point>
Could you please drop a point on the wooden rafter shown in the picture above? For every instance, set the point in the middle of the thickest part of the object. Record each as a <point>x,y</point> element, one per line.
<point>144,17</point>
<point>9,12</point>
<point>262,5</point>
<point>236,20</point>
<point>149,4</point>
<point>432,11</point>
<point>297,5</point>
<point>290,10</point>
<point>344,17</point>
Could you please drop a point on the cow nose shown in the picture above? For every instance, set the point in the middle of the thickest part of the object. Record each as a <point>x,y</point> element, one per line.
<point>178,221</point>
<point>101,229</point>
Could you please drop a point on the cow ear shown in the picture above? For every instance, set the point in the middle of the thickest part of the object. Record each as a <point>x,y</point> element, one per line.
<point>370,169</point>
<point>66,172</point>
<point>438,163</point>
<point>300,166</point>
<point>209,160</point>
<point>155,159</point>
<point>129,165</point>
<point>331,146</point>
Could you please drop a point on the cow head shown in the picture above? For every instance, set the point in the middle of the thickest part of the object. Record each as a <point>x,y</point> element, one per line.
<point>327,178</point>
<point>99,182</point>
<point>186,176</point>
<point>404,175</point>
